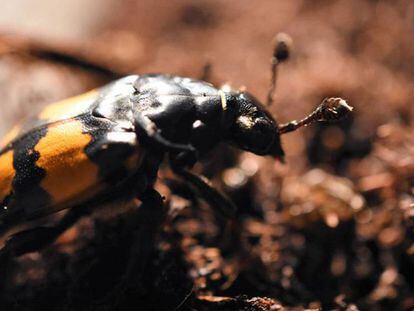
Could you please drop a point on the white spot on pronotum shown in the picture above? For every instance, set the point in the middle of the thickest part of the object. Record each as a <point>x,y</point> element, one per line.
<point>197,123</point>
<point>122,137</point>
<point>223,100</point>
<point>5,208</point>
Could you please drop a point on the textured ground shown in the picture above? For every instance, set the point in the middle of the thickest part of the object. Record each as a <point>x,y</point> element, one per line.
<point>332,228</point>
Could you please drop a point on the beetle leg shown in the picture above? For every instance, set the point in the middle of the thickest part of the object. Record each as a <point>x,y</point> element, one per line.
<point>150,217</point>
<point>34,239</point>
<point>206,72</point>
<point>147,130</point>
<point>213,197</point>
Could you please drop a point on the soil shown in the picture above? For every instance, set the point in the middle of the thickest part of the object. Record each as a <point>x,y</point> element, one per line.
<point>330,229</point>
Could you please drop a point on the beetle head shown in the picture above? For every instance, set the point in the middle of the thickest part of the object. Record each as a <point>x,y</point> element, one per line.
<point>253,128</point>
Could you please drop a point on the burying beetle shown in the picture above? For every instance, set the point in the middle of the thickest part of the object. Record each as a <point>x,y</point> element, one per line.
<point>107,145</point>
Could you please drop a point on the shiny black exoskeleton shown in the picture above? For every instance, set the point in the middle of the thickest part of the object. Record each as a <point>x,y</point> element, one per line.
<point>192,116</point>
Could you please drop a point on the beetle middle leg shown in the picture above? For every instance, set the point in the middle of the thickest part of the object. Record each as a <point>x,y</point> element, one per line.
<point>151,216</point>
<point>213,197</point>
<point>149,219</point>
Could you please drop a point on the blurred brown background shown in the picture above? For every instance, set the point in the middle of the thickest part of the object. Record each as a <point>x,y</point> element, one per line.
<point>308,237</point>
<point>358,49</point>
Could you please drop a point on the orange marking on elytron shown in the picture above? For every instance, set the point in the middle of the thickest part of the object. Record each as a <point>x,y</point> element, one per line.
<point>69,172</point>
<point>7,173</point>
<point>67,108</point>
<point>12,134</point>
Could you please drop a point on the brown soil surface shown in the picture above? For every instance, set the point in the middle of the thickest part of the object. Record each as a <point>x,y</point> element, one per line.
<point>332,228</point>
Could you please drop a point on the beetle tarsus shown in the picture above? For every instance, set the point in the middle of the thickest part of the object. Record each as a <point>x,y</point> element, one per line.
<point>281,53</point>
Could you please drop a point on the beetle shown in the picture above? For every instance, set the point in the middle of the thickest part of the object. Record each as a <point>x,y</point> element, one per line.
<point>107,145</point>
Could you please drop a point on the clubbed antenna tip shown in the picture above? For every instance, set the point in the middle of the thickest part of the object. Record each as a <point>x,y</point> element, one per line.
<point>331,109</point>
<point>281,52</point>
<point>283,45</point>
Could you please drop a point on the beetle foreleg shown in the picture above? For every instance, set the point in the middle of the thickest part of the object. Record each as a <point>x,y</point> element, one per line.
<point>146,129</point>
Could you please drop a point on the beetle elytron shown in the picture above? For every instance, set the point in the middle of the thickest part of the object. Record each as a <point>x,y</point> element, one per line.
<point>107,145</point>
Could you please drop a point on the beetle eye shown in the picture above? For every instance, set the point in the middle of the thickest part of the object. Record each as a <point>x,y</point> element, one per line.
<point>262,127</point>
<point>264,134</point>
<point>254,134</point>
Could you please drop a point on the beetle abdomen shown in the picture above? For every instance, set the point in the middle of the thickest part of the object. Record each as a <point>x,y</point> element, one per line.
<point>62,164</point>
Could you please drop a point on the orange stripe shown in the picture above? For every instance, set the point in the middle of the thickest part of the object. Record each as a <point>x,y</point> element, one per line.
<point>68,108</point>
<point>69,172</point>
<point>7,174</point>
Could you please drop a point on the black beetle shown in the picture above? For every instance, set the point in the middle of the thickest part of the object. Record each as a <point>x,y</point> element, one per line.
<point>108,145</point>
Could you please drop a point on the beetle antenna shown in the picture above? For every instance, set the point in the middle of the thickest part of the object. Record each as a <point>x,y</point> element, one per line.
<point>281,51</point>
<point>331,109</point>
<point>206,72</point>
